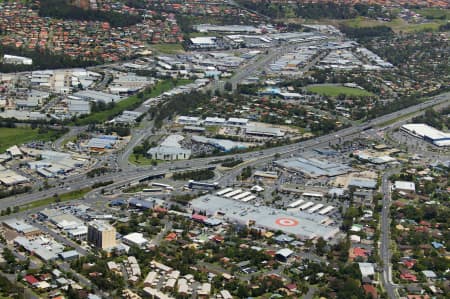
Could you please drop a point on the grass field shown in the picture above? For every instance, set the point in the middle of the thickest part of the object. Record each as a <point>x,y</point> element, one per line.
<point>434,13</point>
<point>168,48</point>
<point>333,90</point>
<point>77,194</point>
<point>128,103</point>
<point>141,160</point>
<point>17,136</point>
<point>396,24</point>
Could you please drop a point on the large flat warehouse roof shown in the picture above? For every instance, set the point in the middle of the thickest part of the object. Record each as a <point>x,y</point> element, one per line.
<point>300,224</point>
<point>313,167</point>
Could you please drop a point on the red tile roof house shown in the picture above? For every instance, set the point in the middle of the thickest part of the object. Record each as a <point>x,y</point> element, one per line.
<point>418,297</point>
<point>409,263</point>
<point>198,217</point>
<point>31,280</point>
<point>408,276</point>
<point>291,287</point>
<point>171,236</point>
<point>218,239</point>
<point>358,252</point>
<point>370,289</point>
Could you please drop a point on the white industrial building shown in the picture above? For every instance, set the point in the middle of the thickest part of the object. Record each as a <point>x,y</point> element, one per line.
<point>54,163</point>
<point>128,83</point>
<point>127,117</point>
<point>228,28</point>
<point>204,42</point>
<point>78,107</point>
<point>11,178</point>
<point>366,269</point>
<point>428,134</point>
<point>188,120</point>
<point>45,248</point>
<point>12,59</point>
<point>222,144</point>
<point>95,96</point>
<point>237,122</point>
<point>404,186</point>
<point>301,224</point>
<point>264,131</point>
<point>170,149</point>
<point>135,239</point>
<point>214,121</point>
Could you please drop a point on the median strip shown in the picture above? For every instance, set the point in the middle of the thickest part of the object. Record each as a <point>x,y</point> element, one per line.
<point>72,195</point>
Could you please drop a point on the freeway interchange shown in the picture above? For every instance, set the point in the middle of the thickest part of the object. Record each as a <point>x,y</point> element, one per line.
<point>131,174</point>
<point>126,174</point>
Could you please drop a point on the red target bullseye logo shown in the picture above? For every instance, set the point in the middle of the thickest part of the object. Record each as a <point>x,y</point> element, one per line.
<point>286,222</point>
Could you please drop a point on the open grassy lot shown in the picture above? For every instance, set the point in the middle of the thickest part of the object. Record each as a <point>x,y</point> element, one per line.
<point>334,90</point>
<point>77,194</point>
<point>434,13</point>
<point>396,25</point>
<point>168,48</point>
<point>16,136</point>
<point>141,160</point>
<point>130,102</point>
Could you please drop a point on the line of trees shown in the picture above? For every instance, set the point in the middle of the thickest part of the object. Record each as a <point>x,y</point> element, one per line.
<point>60,9</point>
<point>365,33</point>
<point>42,59</point>
<point>313,10</point>
<point>434,118</point>
<point>179,104</point>
<point>197,175</point>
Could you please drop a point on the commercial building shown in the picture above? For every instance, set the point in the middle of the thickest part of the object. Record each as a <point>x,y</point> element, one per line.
<point>204,42</point>
<point>78,107</point>
<point>128,83</point>
<point>170,149</point>
<point>237,122</point>
<point>301,224</point>
<point>95,96</point>
<point>428,134</point>
<point>127,117</point>
<point>146,203</point>
<point>264,131</point>
<point>312,167</point>
<point>45,248</point>
<point>362,183</point>
<point>168,153</point>
<point>214,121</point>
<point>135,239</point>
<point>11,178</point>
<point>66,221</point>
<point>283,254</point>
<point>12,59</point>
<point>366,269</point>
<point>154,293</point>
<point>101,235</point>
<point>222,144</point>
<point>54,163</point>
<point>188,120</point>
<point>404,186</point>
<point>227,28</point>
<point>21,227</point>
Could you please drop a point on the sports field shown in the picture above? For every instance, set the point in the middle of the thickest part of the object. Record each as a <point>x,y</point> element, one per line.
<point>18,136</point>
<point>335,90</point>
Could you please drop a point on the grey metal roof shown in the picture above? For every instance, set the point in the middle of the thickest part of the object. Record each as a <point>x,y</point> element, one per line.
<point>314,167</point>
<point>301,224</point>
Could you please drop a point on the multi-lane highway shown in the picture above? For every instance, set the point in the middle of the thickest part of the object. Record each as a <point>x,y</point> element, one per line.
<point>129,175</point>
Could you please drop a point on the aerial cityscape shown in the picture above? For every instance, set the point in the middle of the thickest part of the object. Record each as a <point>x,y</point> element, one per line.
<point>225,149</point>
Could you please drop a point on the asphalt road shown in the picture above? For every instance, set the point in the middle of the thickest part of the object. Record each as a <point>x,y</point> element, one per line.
<point>264,60</point>
<point>385,239</point>
<point>129,175</point>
